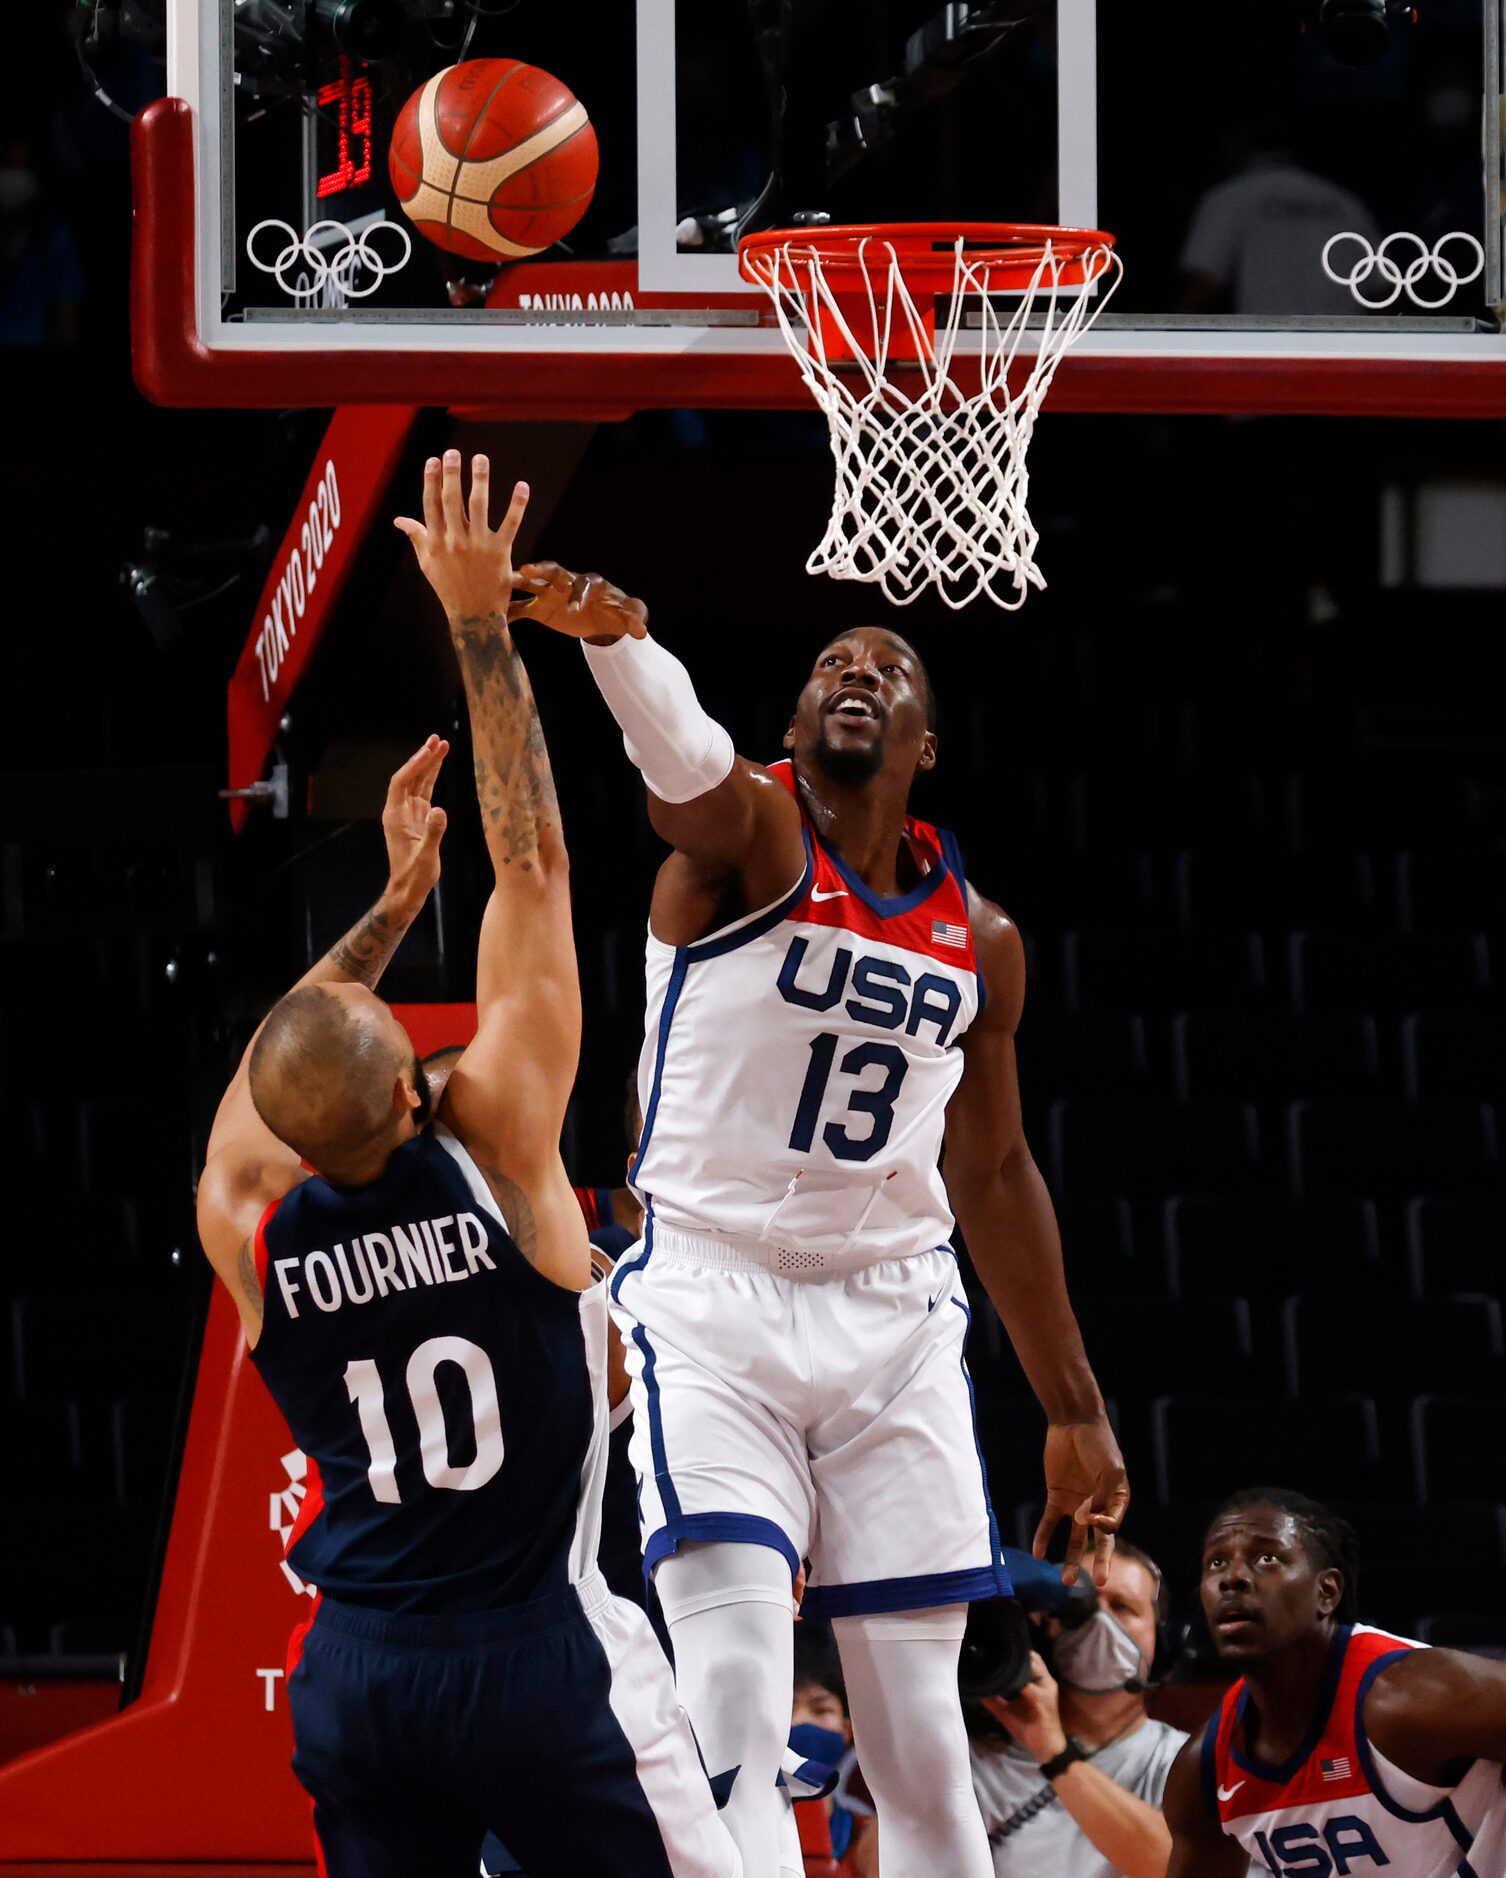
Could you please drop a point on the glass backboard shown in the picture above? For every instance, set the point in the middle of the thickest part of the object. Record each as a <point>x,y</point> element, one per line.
<point>1299,231</point>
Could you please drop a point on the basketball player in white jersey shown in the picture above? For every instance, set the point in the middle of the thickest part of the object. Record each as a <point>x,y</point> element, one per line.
<point>794,1315</point>
<point>1341,1751</point>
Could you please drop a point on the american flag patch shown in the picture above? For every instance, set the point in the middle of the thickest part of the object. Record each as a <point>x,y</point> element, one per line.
<point>1336,1770</point>
<point>944,934</point>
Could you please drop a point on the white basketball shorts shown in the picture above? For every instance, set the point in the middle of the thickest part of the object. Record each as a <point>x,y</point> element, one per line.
<point>828,1417</point>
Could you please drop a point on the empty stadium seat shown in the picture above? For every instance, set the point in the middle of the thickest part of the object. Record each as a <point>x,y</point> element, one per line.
<point>92,1348</point>
<point>1098,1244</point>
<point>1101,1051</point>
<point>1050,891</point>
<point>1270,890</point>
<point>1386,1345</point>
<point>1387,1147</point>
<point>1457,1451</point>
<point>1451,1053</point>
<point>1209,1446</point>
<point>1138,1344</point>
<point>1482,1633</point>
<point>1370,807</point>
<point>1443,890</point>
<point>1264,1247</point>
<point>141,1441</point>
<point>1256,1058</point>
<point>1389,972</point>
<point>1119,971</point>
<point>1457,1242</point>
<point>1151,1149</point>
<point>1117,809</point>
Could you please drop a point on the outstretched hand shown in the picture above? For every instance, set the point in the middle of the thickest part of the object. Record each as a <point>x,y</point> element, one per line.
<point>1086,1483</point>
<point>412,827</point>
<point>466,562</point>
<point>582,606</point>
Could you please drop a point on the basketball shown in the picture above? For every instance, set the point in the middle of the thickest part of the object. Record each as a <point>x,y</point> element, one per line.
<point>493,159</point>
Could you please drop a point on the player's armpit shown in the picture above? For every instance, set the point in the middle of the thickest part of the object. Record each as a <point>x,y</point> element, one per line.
<point>1434,1711</point>
<point>543,1217</point>
<point>1199,1846</point>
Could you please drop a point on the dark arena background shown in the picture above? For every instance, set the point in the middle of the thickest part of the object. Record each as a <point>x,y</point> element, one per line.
<point>1238,774</point>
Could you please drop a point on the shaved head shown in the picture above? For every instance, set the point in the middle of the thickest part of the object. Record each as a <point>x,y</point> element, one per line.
<point>325,1073</point>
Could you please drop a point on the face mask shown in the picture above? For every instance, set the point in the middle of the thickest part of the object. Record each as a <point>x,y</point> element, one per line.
<point>1099,1656</point>
<point>812,1742</point>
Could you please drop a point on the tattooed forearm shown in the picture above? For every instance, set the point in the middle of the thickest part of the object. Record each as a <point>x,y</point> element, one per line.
<point>245,1271</point>
<point>514,783</point>
<point>364,952</point>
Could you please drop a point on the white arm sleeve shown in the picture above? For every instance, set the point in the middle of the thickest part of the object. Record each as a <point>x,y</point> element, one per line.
<point>680,750</point>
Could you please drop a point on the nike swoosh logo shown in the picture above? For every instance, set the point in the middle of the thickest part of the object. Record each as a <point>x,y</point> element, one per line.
<point>1228,1793</point>
<point>837,893</point>
<point>933,1302</point>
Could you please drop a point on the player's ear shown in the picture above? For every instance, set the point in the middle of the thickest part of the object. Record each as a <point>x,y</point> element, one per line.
<point>1330,1590</point>
<point>789,736</point>
<point>927,751</point>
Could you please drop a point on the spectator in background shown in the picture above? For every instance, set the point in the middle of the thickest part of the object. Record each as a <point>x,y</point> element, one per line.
<point>1255,244</point>
<point>1072,1788</point>
<point>41,281</point>
<point>820,1730</point>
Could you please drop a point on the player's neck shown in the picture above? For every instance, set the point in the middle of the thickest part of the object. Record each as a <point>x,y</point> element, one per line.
<point>865,823</point>
<point>1098,1719</point>
<point>1284,1697</point>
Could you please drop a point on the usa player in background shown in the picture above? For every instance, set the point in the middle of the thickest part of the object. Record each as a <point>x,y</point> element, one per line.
<point>1341,1751</point>
<point>424,1313</point>
<point>825,993</point>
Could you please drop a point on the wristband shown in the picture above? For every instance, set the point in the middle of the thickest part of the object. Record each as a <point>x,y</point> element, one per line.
<point>1059,1763</point>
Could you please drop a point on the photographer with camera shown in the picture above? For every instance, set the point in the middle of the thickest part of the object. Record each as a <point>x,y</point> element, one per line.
<point>1069,1771</point>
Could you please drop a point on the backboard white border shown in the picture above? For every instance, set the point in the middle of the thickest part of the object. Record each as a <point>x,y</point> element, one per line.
<point>194,70</point>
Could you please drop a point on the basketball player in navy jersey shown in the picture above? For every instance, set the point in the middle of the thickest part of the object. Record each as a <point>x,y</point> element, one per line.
<point>423,1310</point>
<point>1341,1751</point>
<point>794,1316</point>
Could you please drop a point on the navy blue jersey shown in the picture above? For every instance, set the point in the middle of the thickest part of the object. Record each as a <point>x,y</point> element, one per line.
<point>452,1398</point>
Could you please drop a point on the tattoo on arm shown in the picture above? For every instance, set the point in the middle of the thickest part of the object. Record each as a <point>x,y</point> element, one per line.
<point>514,782</point>
<point>245,1271</point>
<point>522,1227</point>
<point>365,951</point>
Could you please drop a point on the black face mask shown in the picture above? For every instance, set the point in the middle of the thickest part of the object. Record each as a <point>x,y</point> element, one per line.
<point>422,1114</point>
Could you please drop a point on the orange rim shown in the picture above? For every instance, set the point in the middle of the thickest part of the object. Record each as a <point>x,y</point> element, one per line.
<point>925,252</point>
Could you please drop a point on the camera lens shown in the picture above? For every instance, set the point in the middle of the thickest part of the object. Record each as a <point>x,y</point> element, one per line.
<point>1354,31</point>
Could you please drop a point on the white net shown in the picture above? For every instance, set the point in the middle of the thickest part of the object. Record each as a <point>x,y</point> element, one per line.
<point>931,481</point>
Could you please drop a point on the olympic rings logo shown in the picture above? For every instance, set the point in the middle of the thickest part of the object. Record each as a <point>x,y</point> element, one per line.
<point>352,269</point>
<point>1402,279</point>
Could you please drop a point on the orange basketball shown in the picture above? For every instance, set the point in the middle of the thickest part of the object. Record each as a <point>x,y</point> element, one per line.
<point>493,159</point>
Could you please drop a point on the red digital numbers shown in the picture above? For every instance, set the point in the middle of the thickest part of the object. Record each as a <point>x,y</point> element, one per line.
<point>352,100</point>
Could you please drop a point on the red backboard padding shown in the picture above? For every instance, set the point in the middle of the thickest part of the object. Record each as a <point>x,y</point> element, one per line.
<point>196,1768</point>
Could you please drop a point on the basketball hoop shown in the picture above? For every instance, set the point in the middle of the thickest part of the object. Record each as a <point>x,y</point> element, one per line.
<point>931,479</point>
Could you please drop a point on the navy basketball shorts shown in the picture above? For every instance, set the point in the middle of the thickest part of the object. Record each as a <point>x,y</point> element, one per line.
<point>553,1724</point>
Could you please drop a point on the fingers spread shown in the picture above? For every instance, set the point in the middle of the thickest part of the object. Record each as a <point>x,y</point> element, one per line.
<point>481,489</point>
<point>433,512</point>
<point>415,531</point>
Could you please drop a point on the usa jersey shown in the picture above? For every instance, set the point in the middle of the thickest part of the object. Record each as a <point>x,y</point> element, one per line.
<point>1338,1806</point>
<point>798,1063</point>
<point>452,1398</point>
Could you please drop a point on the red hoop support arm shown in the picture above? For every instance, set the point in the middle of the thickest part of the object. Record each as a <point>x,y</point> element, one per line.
<point>173,366</point>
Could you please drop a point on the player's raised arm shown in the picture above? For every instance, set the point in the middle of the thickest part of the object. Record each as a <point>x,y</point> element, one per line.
<point>506,1097</point>
<point>246,1167</point>
<point>1007,1218</point>
<point>710,804</point>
